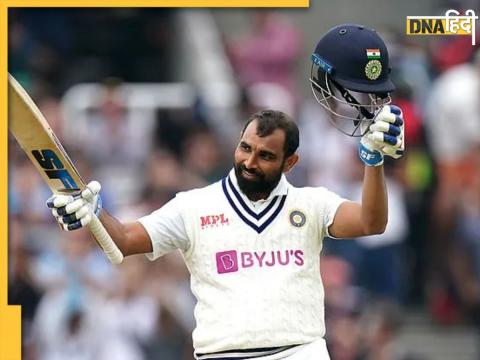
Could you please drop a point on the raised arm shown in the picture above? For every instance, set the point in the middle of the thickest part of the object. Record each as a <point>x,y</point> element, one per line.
<point>75,212</point>
<point>131,238</point>
<point>385,138</point>
<point>368,218</point>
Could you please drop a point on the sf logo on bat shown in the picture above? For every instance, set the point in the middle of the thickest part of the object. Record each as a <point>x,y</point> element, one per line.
<point>54,167</point>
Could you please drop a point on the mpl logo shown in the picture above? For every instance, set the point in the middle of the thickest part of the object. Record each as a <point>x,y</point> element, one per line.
<point>213,221</point>
<point>231,261</point>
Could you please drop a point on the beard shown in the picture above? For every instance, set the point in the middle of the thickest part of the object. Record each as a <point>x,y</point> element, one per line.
<point>261,186</point>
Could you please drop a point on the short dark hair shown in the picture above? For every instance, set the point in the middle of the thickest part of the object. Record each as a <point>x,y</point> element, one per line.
<point>270,120</point>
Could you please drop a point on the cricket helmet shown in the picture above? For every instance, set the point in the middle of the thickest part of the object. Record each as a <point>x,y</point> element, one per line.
<point>350,76</point>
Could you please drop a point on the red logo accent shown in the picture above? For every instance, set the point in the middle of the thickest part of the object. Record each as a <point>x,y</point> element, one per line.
<point>210,221</point>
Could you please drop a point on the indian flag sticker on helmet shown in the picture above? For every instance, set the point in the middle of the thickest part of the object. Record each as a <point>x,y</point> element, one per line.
<point>373,53</point>
<point>373,69</point>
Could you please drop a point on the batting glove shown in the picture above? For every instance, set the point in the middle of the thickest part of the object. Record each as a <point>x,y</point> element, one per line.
<point>75,211</point>
<point>385,137</point>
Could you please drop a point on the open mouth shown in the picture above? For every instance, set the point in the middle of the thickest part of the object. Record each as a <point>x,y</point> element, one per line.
<point>250,176</point>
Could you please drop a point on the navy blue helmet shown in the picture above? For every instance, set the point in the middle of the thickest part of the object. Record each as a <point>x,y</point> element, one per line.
<point>350,76</point>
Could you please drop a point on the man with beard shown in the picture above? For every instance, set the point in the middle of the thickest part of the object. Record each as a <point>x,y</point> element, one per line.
<point>252,241</point>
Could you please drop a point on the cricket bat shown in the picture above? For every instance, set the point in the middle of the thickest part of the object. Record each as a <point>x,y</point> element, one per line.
<point>36,138</point>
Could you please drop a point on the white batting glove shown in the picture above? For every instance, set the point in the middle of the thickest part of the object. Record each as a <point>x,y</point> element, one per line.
<point>385,137</point>
<point>75,211</point>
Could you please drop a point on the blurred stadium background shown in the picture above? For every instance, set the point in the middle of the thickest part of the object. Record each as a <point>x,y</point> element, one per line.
<point>150,102</point>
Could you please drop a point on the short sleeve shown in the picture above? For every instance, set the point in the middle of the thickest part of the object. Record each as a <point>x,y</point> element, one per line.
<point>331,202</point>
<point>166,229</point>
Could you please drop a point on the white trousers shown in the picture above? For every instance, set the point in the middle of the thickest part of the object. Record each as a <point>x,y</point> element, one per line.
<point>316,350</point>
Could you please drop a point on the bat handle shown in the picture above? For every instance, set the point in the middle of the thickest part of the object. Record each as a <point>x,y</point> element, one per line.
<point>105,241</point>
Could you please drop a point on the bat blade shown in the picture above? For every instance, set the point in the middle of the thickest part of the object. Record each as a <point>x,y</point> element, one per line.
<point>37,139</point>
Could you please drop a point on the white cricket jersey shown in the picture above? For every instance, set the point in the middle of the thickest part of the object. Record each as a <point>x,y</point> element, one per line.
<point>255,266</point>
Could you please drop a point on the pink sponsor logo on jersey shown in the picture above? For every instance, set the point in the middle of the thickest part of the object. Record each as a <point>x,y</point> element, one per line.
<point>227,261</point>
<point>231,261</point>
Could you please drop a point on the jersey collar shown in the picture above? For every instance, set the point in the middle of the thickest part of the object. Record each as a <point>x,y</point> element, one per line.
<point>260,214</point>
<point>280,189</point>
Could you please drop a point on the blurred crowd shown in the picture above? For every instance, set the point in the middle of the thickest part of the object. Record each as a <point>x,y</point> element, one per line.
<point>78,306</point>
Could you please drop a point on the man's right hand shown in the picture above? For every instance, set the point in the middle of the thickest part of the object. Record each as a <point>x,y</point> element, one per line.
<point>75,211</point>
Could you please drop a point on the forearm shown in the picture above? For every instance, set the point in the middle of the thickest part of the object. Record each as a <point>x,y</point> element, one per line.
<point>374,211</point>
<point>116,230</point>
<point>131,238</point>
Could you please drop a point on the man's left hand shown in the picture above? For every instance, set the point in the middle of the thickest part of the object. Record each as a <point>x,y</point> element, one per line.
<point>384,138</point>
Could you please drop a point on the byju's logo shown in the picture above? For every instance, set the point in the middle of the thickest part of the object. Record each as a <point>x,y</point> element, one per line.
<point>213,221</point>
<point>231,261</point>
<point>227,261</point>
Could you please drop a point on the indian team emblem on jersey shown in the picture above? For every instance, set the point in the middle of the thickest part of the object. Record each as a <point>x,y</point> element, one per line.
<point>373,69</point>
<point>297,218</point>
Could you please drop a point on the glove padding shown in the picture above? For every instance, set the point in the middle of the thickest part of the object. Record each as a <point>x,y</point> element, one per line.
<point>76,211</point>
<point>385,137</point>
